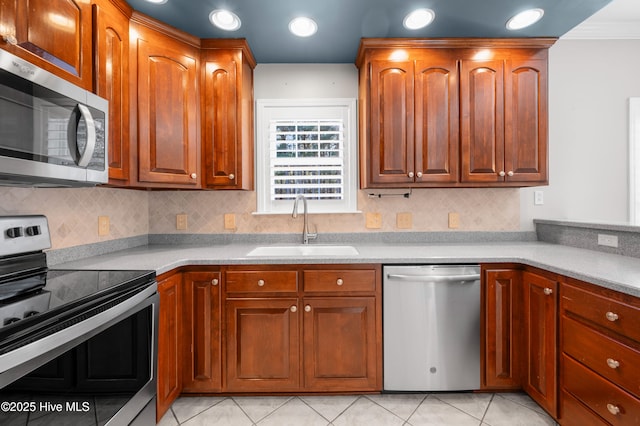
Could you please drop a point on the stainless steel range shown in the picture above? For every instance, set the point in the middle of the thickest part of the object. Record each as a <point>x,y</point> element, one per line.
<point>76,346</point>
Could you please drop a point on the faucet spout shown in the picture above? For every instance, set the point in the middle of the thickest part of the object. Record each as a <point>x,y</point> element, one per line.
<point>306,235</point>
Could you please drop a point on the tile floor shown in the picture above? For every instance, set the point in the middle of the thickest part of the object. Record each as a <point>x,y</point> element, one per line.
<point>446,409</point>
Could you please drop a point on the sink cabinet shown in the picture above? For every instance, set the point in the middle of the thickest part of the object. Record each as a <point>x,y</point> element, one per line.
<point>303,329</point>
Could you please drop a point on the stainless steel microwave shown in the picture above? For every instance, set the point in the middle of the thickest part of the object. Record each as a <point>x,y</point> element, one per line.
<point>52,133</point>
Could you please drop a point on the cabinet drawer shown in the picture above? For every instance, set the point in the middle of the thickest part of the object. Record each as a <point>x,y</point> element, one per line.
<point>616,316</point>
<point>606,356</point>
<point>574,413</point>
<point>261,281</point>
<point>340,280</point>
<point>603,397</point>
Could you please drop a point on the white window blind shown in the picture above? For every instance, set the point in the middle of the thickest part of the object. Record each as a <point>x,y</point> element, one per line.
<point>307,157</point>
<point>306,147</point>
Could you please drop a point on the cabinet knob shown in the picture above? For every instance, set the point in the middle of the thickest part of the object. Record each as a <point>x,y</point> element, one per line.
<point>214,281</point>
<point>611,316</point>
<point>193,175</point>
<point>419,174</point>
<point>502,173</point>
<point>410,174</point>
<point>548,291</point>
<point>339,281</point>
<point>260,283</point>
<point>307,308</point>
<point>613,409</point>
<point>232,176</point>
<point>510,173</point>
<point>294,308</point>
<point>612,363</point>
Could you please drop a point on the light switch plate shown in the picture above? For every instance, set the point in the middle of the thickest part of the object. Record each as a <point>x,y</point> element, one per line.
<point>373,220</point>
<point>454,220</point>
<point>229,221</point>
<point>404,220</point>
<point>181,222</point>
<point>103,225</point>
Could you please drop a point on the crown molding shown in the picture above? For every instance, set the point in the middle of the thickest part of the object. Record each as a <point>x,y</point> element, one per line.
<point>604,31</point>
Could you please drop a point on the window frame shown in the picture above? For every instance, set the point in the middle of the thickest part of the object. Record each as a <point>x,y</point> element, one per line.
<point>634,160</point>
<point>269,109</point>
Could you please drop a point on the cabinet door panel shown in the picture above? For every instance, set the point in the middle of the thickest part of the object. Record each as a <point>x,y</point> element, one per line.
<point>540,315</point>
<point>501,328</point>
<point>482,120</point>
<point>167,114</point>
<point>391,137</point>
<point>436,120</point>
<point>526,122</point>
<point>54,34</point>
<point>111,73</point>
<point>169,342</point>
<point>203,358</point>
<point>340,344</point>
<point>262,345</point>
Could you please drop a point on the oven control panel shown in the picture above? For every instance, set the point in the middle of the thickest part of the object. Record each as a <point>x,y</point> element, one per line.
<point>23,234</point>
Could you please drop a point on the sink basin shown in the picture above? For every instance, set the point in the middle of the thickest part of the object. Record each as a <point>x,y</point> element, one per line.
<point>303,250</point>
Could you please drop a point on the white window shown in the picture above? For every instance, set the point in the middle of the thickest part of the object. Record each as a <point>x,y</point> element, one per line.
<point>306,147</point>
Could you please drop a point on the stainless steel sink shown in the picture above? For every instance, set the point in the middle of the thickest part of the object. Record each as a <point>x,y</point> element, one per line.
<point>303,250</point>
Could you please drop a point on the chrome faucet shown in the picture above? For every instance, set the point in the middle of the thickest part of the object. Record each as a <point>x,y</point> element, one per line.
<point>306,235</point>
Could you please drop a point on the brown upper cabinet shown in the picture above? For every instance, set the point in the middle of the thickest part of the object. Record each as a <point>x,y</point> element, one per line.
<point>227,118</point>
<point>111,74</point>
<point>453,112</point>
<point>165,64</point>
<point>52,34</point>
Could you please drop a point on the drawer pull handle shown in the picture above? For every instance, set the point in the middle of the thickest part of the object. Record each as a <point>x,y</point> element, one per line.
<point>307,308</point>
<point>548,291</point>
<point>613,409</point>
<point>339,281</point>
<point>260,283</point>
<point>294,308</point>
<point>612,316</point>
<point>612,363</point>
<point>214,281</point>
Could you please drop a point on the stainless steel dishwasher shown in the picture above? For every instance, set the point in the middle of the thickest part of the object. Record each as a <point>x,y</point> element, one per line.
<point>431,327</point>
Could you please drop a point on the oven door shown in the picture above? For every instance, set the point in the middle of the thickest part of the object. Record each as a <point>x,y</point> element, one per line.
<point>100,371</point>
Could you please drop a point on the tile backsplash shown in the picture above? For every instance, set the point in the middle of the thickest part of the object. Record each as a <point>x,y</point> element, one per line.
<point>73,213</point>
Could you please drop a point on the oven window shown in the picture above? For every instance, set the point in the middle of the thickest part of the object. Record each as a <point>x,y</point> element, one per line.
<point>89,383</point>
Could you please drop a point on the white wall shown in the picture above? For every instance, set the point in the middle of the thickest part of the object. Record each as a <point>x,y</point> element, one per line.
<point>590,82</point>
<point>288,81</point>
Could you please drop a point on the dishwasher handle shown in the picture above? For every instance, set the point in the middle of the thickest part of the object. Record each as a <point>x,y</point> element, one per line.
<point>433,278</point>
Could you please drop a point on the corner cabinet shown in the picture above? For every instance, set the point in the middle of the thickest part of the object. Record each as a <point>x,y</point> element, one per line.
<point>52,34</point>
<point>165,68</point>
<point>227,117</point>
<point>453,112</point>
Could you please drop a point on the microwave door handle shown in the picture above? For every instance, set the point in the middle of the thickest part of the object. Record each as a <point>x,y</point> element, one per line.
<point>84,158</point>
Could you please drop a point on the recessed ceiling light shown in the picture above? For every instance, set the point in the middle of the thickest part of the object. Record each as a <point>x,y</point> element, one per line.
<point>157,1</point>
<point>225,20</point>
<point>525,19</point>
<point>303,27</point>
<point>419,18</point>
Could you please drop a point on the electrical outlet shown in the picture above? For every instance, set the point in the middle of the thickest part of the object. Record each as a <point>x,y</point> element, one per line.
<point>454,220</point>
<point>538,198</point>
<point>607,240</point>
<point>181,222</point>
<point>229,221</point>
<point>103,225</point>
<point>404,220</point>
<point>373,220</point>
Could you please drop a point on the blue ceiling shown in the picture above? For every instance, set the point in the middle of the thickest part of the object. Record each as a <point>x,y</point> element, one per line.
<point>341,23</point>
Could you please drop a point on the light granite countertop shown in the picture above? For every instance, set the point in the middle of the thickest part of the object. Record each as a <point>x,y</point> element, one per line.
<point>616,272</point>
